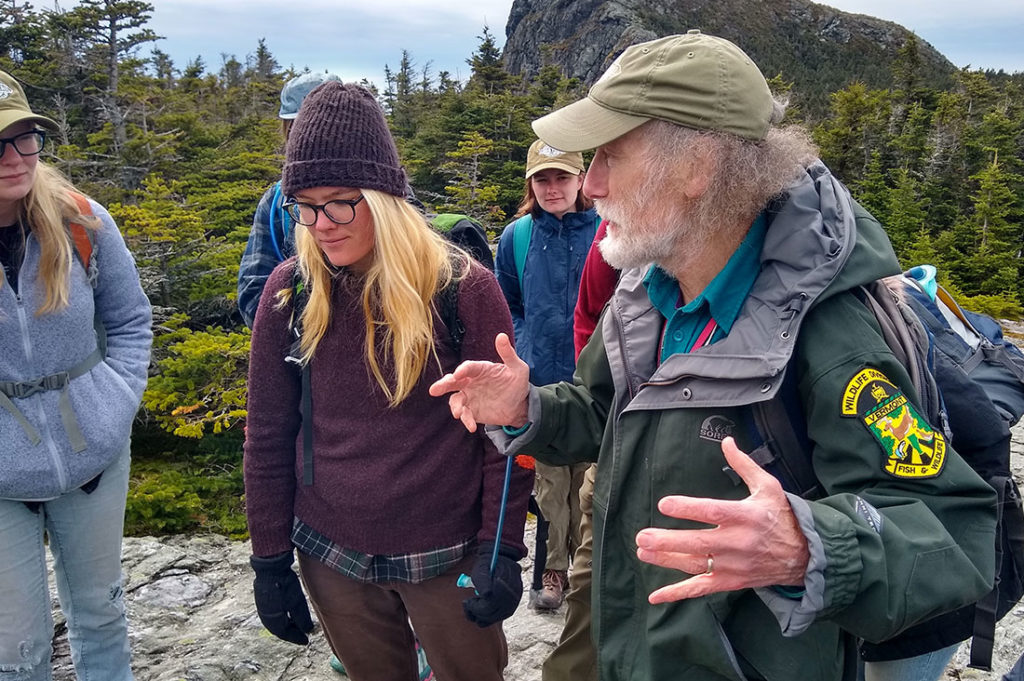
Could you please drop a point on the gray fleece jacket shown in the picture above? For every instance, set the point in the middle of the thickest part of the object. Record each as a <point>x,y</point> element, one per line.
<point>104,400</point>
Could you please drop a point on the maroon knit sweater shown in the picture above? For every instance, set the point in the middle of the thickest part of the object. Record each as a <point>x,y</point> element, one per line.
<point>387,480</point>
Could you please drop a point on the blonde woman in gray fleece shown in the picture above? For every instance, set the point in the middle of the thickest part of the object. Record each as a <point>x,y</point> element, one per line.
<point>67,407</point>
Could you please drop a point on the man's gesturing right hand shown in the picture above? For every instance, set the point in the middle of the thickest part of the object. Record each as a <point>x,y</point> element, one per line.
<point>486,392</point>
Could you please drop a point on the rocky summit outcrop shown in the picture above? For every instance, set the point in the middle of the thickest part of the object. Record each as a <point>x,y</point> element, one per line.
<point>818,48</point>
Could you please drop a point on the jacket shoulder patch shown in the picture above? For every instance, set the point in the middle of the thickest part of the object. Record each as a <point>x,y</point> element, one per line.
<point>912,448</point>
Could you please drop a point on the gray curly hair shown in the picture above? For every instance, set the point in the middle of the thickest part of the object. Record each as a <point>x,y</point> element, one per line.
<point>746,175</point>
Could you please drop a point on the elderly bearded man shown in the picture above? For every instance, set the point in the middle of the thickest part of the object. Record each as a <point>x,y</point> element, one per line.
<point>742,255</point>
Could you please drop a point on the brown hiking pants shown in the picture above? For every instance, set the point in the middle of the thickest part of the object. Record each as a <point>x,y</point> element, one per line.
<point>367,626</point>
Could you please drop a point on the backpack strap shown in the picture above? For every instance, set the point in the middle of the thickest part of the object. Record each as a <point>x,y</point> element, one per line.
<point>522,232</point>
<point>779,426</point>
<point>10,390</point>
<point>82,238</point>
<point>988,610</point>
<point>276,208</point>
<point>449,313</point>
<point>300,297</point>
<point>307,426</point>
<point>911,344</point>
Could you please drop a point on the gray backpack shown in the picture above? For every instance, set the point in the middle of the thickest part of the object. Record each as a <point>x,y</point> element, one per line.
<point>971,384</point>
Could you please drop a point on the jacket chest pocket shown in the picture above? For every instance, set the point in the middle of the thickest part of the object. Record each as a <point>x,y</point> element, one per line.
<point>686,454</point>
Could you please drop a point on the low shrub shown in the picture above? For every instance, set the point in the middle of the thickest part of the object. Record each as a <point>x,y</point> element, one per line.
<point>194,487</point>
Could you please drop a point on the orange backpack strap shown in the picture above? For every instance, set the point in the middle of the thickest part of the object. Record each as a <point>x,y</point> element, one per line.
<point>82,239</point>
<point>81,236</point>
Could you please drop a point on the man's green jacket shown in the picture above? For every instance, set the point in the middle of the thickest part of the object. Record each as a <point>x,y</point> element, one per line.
<point>903,531</point>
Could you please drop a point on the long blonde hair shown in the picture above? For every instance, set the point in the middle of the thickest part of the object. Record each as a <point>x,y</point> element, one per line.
<point>48,208</point>
<point>411,264</point>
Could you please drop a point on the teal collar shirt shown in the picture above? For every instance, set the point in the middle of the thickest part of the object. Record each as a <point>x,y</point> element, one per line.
<point>708,317</point>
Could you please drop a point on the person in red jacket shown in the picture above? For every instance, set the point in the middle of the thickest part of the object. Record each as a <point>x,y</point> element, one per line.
<point>574,658</point>
<point>383,522</point>
<point>597,284</point>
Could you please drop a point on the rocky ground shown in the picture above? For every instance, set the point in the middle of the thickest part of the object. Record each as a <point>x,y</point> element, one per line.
<point>190,607</point>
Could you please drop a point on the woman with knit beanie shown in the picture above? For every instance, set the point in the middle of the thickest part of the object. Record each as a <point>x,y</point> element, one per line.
<point>392,500</point>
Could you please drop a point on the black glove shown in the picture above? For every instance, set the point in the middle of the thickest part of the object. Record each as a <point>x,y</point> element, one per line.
<point>498,595</point>
<point>280,602</point>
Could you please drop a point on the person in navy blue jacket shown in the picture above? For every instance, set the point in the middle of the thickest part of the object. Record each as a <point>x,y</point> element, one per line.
<point>539,263</point>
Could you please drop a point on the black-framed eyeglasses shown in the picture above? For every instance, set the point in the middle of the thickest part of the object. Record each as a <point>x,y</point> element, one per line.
<point>339,211</point>
<point>27,143</point>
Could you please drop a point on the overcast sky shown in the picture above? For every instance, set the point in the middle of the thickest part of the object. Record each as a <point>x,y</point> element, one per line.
<point>356,39</point>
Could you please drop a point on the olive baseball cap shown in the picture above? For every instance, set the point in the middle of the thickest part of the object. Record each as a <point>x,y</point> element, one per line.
<point>14,106</point>
<point>542,156</point>
<point>693,80</point>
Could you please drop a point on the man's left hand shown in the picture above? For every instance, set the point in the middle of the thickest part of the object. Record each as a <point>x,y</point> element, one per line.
<point>754,542</point>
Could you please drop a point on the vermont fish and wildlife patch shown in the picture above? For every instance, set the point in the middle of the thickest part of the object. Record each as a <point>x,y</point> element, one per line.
<point>912,448</point>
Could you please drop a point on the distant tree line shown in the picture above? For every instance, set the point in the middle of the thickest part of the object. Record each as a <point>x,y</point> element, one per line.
<point>180,155</point>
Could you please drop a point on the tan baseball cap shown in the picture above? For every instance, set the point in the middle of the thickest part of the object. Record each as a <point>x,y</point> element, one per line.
<point>14,107</point>
<point>542,156</point>
<point>694,80</point>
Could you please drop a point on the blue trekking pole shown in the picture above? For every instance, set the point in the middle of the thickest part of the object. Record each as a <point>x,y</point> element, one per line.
<point>464,579</point>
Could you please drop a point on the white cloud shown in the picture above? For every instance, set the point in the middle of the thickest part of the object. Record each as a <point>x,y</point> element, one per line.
<point>356,39</point>
<point>919,14</point>
<point>400,14</point>
<point>981,33</point>
<point>353,39</point>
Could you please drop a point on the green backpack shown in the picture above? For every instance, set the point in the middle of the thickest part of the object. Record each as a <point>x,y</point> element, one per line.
<point>467,234</point>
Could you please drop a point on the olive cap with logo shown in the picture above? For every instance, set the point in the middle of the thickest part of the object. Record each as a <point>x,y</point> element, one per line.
<point>694,80</point>
<point>542,156</point>
<point>14,106</point>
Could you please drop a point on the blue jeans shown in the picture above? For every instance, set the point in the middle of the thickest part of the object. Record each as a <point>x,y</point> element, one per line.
<point>926,667</point>
<point>84,533</point>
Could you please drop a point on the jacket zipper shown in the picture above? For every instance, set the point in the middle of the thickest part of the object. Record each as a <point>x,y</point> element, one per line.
<point>625,357</point>
<point>44,427</point>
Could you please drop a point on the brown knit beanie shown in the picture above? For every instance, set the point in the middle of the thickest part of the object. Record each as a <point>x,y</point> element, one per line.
<point>340,139</point>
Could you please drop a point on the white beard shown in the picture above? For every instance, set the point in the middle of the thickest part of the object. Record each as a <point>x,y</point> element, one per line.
<point>642,236</point>
<point>623,249</point>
